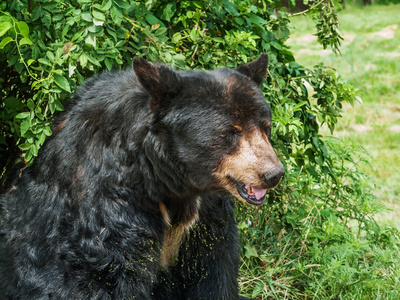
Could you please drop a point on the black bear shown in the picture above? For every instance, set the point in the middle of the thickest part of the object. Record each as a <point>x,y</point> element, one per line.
<point>128,198</point>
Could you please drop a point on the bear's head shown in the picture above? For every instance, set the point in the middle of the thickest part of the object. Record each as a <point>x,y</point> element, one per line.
<point>214,128</point>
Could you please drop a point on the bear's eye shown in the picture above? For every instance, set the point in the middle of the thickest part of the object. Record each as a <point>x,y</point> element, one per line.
<point>230,132</point>
<point>237,129</point>
<point>267,129</point>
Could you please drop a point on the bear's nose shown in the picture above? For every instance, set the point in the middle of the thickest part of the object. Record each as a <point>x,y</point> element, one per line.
<point>273,176</point>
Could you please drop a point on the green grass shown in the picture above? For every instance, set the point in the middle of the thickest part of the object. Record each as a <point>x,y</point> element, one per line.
<point>370,60</point>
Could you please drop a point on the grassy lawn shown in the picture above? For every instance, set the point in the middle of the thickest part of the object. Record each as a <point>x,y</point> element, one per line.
<point>370,60</point>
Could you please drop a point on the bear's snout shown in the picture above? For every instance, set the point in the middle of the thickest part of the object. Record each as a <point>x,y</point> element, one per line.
<point>273,176</point>
<point>252,170</point>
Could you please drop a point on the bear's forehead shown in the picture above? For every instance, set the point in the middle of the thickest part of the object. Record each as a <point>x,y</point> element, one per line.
<point>225,94</point>
<point>241,96</point>
<point>223,82</point>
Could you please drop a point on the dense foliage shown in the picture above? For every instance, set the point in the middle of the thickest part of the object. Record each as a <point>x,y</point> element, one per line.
<point>317,237</point>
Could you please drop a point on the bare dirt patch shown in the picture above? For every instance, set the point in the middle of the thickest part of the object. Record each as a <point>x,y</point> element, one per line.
<point>306,39</point>
<point>395,128</point>
<point>387,32</point>
<point>348,39</point>
<point>361,128</point>
<point>389,54</point>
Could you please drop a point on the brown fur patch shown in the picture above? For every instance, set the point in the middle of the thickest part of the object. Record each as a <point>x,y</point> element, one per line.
<point>253,158</point>
<point>238,85</point>
<point>174,235</point>
<point>172,241</point>
<point>164,213</point>
<point>80,173</point>
<point>59,126</point>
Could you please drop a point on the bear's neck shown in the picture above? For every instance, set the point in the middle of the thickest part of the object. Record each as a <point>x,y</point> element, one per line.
<point>180,211</point>
<point>179,218</point>
<point>165,176</point>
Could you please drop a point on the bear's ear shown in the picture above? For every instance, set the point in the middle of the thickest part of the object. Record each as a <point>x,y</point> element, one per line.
<point>160,81</point>
<point>255,70</point>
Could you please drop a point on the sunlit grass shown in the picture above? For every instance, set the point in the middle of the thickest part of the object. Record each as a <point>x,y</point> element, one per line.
<point>370,60</point>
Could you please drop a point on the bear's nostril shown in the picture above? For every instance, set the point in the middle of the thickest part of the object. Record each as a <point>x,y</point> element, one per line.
<point>273,177</point>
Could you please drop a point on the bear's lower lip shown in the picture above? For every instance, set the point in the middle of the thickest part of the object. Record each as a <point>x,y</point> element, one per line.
<point>252,199</point>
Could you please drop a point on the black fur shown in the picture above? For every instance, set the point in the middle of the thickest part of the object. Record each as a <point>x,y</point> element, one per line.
<point>208,261</point>
<point>84,221</point>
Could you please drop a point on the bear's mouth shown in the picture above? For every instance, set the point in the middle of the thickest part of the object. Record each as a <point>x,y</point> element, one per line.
<point>251,194</point>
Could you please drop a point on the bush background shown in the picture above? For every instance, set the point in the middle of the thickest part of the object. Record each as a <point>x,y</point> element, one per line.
<point>317,237</point>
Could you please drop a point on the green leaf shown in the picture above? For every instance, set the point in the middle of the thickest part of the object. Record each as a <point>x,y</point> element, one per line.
<point>4,27</point>
<point>58,105</point>
<point>194,34</point>
<point>24,127</point>
<point>22,115</point>
<point>5,41</point>
<point>257,20</point>
<point>50,55</point>
<point>4,18</point>
<point>35,52</point>
<point>93,61</point>
<point>62,82</point>
<point>179,57</point>
<point>106,5</point>
<point>28,156</point>
<point>198,4</point>
<point>23,29</point>
<point>324,150</point>
<point>91,40</point>
<point>77,36</point>
<point>46,19</point>
<point>315,141</point>
<point>239,21</point>
<point>250,251</point>
<point>276,45</point>
<point>31,104</point>
<point>25,146</point>
<point>116,15</point>
<point>99,15</point>
<point>167,57</point>
<point>152,20</point>
<point>83,60</point>
<point>169,11</point>
<point>42,137</point>
<point>52,107</point>
<point>36,13</point>
<point>45,61</point>
<point>108,63</point>
<point>25,41</point>
<point>122,4</point>
<point>13,103</point>
<point>97,23</point>
<point>47,131</point>
<point>176,38</point>
<point>34,150</point>
<point>57,17</point>
<point>40,116</point>
<point>87,17</point>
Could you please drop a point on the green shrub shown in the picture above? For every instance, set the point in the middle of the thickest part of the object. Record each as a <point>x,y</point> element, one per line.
<point>317,237</point>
